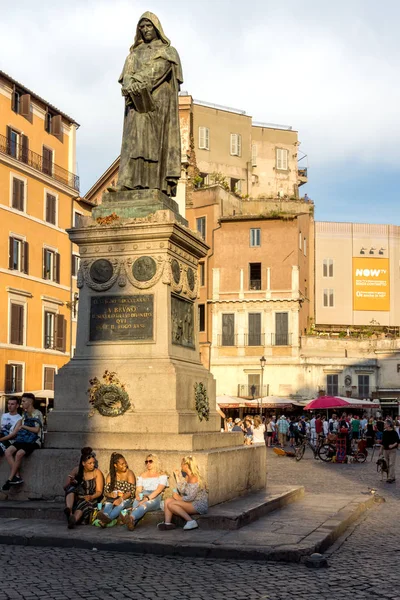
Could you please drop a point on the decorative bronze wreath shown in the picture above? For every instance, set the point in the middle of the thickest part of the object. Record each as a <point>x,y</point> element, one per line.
<point>110,398</point>
<point>202,401</point>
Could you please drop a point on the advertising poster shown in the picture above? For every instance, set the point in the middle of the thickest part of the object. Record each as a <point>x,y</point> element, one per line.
<point>371,284</point>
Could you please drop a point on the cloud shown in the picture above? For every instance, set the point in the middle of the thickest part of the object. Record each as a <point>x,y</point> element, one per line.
<point>328,69</point>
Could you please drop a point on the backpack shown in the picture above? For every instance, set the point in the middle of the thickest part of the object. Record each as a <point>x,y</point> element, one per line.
<point>28,437</point>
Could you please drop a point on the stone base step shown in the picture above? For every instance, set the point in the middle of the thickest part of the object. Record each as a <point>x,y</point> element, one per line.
<point>230,515</point>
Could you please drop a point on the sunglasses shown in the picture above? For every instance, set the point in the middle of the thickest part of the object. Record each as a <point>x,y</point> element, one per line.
<point>148,461</point>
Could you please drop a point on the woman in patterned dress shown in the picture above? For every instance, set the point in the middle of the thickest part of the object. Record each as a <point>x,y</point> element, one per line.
<point>190,497</point>
<point>119,490</point>
<point>84,486</point>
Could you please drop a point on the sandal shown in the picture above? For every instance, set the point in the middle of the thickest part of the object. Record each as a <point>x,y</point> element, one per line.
<point>103,517</point>
<point>131,524</point>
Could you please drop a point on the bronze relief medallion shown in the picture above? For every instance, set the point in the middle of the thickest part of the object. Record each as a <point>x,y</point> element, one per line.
<point>144,268</point>
<point>176,271</point>
<point>101,271</point>
<point>191,278</point>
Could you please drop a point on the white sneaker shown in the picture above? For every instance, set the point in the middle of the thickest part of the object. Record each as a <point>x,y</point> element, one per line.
<point>191,525</point>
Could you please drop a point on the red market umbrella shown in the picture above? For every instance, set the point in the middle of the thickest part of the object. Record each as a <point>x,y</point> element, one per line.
<point>325,402</point>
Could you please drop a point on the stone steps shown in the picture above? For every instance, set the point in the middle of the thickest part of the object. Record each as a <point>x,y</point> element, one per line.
<point>230,515</point>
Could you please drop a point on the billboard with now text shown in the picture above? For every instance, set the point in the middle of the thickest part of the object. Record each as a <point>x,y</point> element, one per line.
<point>371,284</point>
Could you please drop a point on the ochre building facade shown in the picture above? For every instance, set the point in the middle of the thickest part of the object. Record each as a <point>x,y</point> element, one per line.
<point>39,201</point>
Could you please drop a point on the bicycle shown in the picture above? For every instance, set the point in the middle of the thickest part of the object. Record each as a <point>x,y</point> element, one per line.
<point>321,450</point>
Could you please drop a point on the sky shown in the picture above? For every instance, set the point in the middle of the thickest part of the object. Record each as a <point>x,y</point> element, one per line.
<point>328,69</point>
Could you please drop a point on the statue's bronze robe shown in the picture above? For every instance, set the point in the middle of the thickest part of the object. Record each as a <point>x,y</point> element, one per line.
<point>151,146</point>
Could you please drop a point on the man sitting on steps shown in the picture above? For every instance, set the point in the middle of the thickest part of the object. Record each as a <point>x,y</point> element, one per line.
<point>27,438</point>
<point>8,422</point>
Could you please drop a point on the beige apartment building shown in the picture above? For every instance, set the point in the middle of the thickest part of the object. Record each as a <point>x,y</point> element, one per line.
<point>357,279</point>
<point>39,200</point>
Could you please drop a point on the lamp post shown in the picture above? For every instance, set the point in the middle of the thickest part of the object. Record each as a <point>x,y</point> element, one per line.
<point>262,363</point>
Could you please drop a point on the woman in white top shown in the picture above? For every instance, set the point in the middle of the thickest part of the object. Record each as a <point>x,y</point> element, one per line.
<point>149,489</point>
<point>258,431</point>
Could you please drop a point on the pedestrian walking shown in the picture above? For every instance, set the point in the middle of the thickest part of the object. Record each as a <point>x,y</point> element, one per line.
<point>390,443</point>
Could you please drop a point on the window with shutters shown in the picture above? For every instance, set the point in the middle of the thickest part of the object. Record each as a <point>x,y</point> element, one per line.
<point>18,194</point>
<point>204,138</point>
<point>328,298</point>
<point>332,385</point>
<point>363,386</point>
<point>202,317</point>
<point>47,122</point>
<point>75,262</point>
<point>254,155</point>
<point>17,145</point>
<point>254,385</point>
<point>255,276</point>
<point>54,331</point>
<point>51,209</point>
<point>327,267</point>
<point>282,159</point>
<point>16,100</point>
<point>13,142</point>
<point>14,378</point>
<point>236,144</point>
<point>201,226</point>
<point>255,237</point>
<point>51,265</point>
<point>49,329</point>
<point>17,323</point>
<point>48,378</point>
<point>18,255</point>
<point>228,329</point>
<point>202,273</point>
<point>281,329</point>
<point>47,161</point>
<point>254,335</point>
<point>21,103</point>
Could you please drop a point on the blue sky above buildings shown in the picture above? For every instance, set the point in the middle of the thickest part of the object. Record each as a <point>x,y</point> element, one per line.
<point>330,70</point>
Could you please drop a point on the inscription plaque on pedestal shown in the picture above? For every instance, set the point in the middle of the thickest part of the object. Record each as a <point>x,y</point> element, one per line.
<point>121,318</point>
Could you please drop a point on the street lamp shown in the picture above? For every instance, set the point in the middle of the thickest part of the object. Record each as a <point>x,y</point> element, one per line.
<point>262,363</point>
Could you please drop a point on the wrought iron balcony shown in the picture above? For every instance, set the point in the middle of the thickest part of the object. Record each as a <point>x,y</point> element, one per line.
<point>254,339</point>
<point>38,162</point>
<point>281,339</point>
<point>227,339</point>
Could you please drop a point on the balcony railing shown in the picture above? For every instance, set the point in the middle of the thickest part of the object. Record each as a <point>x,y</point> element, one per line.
<point>246,391</point>
<point>254,339</point>
<point>228,339</point>
<point>38,162</point>
<point>281,339</point>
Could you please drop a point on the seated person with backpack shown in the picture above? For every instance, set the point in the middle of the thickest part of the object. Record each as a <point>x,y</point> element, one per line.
<point>27,438</point>
<point>9,421</point>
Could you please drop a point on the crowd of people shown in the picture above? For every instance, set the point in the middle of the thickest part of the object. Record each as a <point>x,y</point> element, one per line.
<point>284,431</point>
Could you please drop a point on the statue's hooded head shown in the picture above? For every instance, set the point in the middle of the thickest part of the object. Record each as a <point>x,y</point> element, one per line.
<point>154,20</point>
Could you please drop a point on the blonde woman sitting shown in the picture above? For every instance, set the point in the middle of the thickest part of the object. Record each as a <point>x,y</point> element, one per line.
<point>150,486</point>
<point>191,496</point>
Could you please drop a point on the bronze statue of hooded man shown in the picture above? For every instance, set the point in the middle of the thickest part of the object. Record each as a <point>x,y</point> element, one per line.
<point>151,145</point>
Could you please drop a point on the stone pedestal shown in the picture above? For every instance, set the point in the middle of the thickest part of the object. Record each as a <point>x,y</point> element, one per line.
<point>138,318</point>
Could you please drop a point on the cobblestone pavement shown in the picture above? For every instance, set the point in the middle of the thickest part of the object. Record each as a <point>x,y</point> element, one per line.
<point>363,564</point>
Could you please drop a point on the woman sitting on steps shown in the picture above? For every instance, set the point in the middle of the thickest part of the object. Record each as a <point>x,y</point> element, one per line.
<point>150,486</point>
<point>119,490</point>
<point>191,496</point>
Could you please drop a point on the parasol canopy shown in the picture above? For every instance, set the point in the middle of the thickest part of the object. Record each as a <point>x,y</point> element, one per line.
<point>325,402</point>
